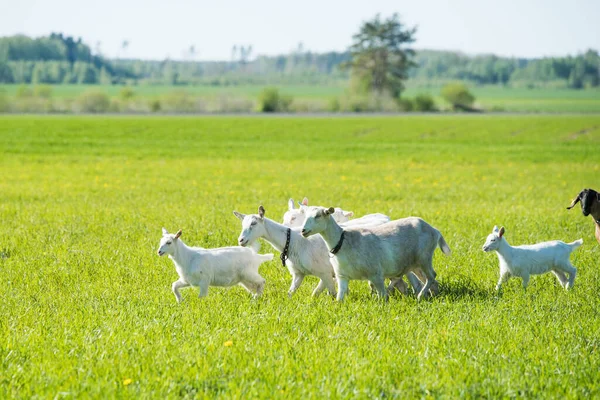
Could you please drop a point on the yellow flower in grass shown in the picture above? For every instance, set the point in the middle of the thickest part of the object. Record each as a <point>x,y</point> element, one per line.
<point>228,343</point>
<point>127,381</point>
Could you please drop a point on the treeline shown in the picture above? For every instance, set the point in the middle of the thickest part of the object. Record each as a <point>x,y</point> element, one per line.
<point>574,72</point>
<point>62,59</point>
<point>304,67</point>
<point>55,59</point>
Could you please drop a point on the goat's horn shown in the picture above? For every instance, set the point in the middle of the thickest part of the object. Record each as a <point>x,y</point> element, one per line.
<point>575,201</point>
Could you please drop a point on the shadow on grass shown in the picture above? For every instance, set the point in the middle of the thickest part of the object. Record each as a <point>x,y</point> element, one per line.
<point>463,287</point>
<point>460,288</point>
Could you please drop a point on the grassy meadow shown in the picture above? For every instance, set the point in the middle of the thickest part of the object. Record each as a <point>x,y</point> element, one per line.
<point>306,98</point>
<point>86,308</point>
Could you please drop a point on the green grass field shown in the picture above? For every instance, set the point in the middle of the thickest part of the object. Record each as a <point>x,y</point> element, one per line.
<point>497,98</point>
<point>86,308</point>
<point>300,91</point>
<point>492,98</point>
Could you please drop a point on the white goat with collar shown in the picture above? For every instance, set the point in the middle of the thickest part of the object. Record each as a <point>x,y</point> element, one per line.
<point>385,251</point>
<point>535,259</point>
<point>225,266</point>
<point>304,257</point>
<point>295,217</point>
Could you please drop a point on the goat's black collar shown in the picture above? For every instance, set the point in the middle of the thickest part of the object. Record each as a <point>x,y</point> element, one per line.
<point>339,245</point>
<point>284,253</point>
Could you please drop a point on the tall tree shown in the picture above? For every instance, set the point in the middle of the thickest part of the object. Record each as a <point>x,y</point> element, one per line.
<point>380,58</point>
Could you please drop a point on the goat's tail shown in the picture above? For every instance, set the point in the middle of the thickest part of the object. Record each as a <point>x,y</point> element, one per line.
<point>575,244</point>
<point>444,246</point>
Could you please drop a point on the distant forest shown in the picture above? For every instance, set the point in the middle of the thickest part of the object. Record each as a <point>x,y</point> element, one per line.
<point>58,59</point>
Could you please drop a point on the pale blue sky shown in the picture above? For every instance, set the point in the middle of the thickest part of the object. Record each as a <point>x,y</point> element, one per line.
<point>157,29</point>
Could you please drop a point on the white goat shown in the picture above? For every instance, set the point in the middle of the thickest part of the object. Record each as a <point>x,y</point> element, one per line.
<point>225,266</point>
<point>533,259</point>
<point>385,251</point>
<point>303,256</point>
<point>295,217</point>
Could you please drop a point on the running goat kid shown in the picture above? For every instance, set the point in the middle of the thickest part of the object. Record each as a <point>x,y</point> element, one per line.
<point>225,266</point>
<point>532,259</point>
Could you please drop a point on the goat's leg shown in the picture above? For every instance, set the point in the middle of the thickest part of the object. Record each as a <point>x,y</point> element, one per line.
<point>255,284</point>
<point>504,275</point>
<point>342,288</point>
<point>319,289</point>
<point>326,282</point>
<point>260,287</point>
<point>379,284</point>
<point>296,282</point>
<point>572,271</point>
<point>178,284</point>
<point>330,283</point>
<point>372,287</point>
<point>560,275</point>
<point>416,280</point>
<point>203,289</point>
<point>427,268</point>
<point>434,289</point>
<point>525,279</point>
<point>397,284</point>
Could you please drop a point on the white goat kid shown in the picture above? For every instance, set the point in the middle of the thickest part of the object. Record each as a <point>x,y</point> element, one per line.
<point>523,261</point>
<point>225,266</point>
<point>304,256</point>
<point>385,251</point>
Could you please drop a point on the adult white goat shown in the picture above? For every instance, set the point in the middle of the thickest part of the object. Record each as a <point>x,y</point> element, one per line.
<point>301,256</point>
<point>225,266</point>
<point>535,259</point>
<point>295,217</point>
<point>385,251</point>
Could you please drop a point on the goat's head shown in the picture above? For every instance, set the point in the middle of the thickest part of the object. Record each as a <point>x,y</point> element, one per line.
<point>342,216</point>
<point>317,219</point>
<point>294,217</point>
<point>493,240</point>
<point>167,242</point>
<point>587,197</point>
<point>253,226</point>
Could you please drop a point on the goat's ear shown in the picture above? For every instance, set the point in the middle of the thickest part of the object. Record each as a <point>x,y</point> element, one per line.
<point>239,215</point>
<point>575,201</point>
<point>290,204</point>
<point>330,210</point>
<point>501,232</point>
<point>261,211</point>
<point>305,201</point>
<point>164,231</point>
<point>178,234</point>
<point>348,214</point>
<point>495,228</point>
